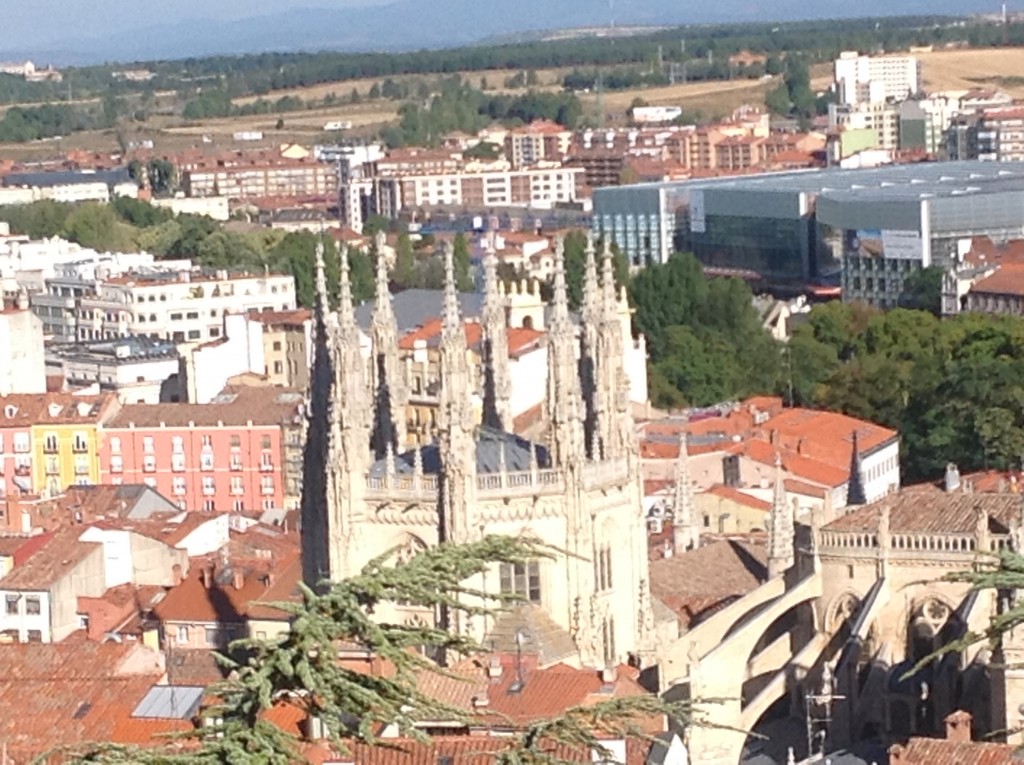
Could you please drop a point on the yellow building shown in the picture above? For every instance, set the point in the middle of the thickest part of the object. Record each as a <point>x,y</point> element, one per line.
<point>65,436</point>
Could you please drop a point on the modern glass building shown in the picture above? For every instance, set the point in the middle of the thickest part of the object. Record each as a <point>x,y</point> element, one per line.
<point>866,229</point>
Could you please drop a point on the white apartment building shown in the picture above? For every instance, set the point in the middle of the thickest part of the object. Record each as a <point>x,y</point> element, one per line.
<point>881,117</point>
<point>22,367</point>
<point>875,79</point>
<point>533,187</point>
<point>136,369</point>
<point>182,306</point>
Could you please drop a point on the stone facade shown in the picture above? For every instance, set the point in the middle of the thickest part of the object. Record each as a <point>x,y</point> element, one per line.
<point>591,607</point>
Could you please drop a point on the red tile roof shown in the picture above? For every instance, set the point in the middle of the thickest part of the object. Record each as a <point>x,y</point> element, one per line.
<point>260,405</point>
<point>57,558</point>
<point>934,751</point>
<point>520,339</point>
<point>59,694</point>
<point>933,512</point>
<point>1007,280</point>
<point>737,496</point>
<point>55,409</point>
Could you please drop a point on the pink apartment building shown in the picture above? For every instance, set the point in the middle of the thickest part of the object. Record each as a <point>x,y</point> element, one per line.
<point>236,453</point>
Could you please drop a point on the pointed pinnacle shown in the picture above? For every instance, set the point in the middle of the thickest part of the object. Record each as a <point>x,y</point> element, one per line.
<point>450,317</point>
<point>346,314</point>
<point>321,279</point>
<point>560,300</point>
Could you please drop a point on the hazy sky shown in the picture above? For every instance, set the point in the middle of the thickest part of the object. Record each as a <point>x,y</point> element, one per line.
<point>38,22</point>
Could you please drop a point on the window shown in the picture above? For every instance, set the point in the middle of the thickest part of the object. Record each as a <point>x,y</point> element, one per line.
<point>212,636</point>
<point>115,445</point>
<point>21,442</point>
<point>603,569</point>
<point>147,444</point>
<point>277,345</point>
<point>194,334</point>
<point>192,315</point>
<point>178,445</point>
<point>278,368</point>
<point>149,463</point>
<point>81,464</point>
<point>52,465</point>
<point>266,462</point>
<point>206,461</point>
<point>209,485</point>
<point>207,441</point>
<point>238,505</point>
<point>179,485</point>
<point>50,443</point>
<point>178,462</point>
<point>236,461</point>
<point>266,442</point>
<point>209,505</point>
<point>236,485</point>
<point>35,636</point>
<point>12,603</point>
<point>175,317</point>
<point>608,631</point>
<point>80,442</point>
<point>32,605</point>
<point>522,580</point>
<point>181,635</point>
<point>267,484</point>
<point>236,442</point>
<point>116,463</point>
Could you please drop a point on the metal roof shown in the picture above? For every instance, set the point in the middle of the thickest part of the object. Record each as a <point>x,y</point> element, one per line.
<point>170,702</point>
<point>65,177</point>
<point>416,306</point>
<point>490,443</point>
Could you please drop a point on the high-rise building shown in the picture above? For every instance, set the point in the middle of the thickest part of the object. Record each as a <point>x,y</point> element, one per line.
<point>875,79</point>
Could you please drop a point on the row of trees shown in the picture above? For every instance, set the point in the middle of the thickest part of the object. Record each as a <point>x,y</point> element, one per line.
<point>461,107</point>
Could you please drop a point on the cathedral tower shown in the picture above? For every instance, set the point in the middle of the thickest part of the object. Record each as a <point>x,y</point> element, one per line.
<point>780,527</point>
<point>685,528</point>
<point>591,315</point>
<point>563,406</point>
<point>455,418</point>
<point>387,373</point>
<point>496,382</point>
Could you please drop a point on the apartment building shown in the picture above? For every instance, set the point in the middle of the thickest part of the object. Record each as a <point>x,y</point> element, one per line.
<point>534,187</point>
<point>21,348</point>
<point>136,369</point>
<point>245,179</point>
<point>236,453</point>
<point>287,346</point>
<point>875,79</point>
<point>182,306</point>
<point>51,441</point>
<point>880,117</point>
<point>541,140</point>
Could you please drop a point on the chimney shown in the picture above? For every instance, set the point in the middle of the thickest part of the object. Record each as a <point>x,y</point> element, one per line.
<point>952,477</point>
<point>958,727</point>
<point>238,579</point>
<point>176,574</point>
<point>208,576</point>
<point>609,674</point>
<point>493,668</point>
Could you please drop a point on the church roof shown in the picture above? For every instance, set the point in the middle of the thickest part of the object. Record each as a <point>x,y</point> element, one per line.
<point>414,307</point>
<point>490,442</point>
<point>540,635</point>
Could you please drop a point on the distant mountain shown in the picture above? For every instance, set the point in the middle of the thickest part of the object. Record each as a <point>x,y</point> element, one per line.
<point>414,24</point>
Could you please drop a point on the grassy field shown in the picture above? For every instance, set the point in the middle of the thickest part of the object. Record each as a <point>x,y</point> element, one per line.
<point>966,69</point>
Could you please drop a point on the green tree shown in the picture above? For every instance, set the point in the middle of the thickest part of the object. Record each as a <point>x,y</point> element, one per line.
<point>162,176</point>
<point>922,289</point>
<point>300,670</point>
<point>463,267</point>
<point>404,273</point>
<point>97,226</point>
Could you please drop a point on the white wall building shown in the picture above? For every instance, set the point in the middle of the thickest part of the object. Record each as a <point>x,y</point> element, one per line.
<point>183,306</point>
<point>22,365</point>
<point>875,79</point>
<point>211,207</point>
<point>206,368</point>
<point>136,369</point>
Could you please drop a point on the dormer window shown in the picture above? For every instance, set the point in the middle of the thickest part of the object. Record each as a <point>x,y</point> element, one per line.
<point>54,410</point>
<point>10,410</point>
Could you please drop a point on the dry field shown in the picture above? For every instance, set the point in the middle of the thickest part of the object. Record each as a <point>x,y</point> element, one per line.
<point>966,69</point>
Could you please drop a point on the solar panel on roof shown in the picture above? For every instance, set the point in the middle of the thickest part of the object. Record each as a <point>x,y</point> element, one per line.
<point>170,702</point>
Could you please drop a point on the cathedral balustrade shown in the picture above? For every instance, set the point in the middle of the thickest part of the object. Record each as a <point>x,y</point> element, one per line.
<point>519,483</point>
<point>907,545</point>
<point>605,472</point>
<point>416,487</point>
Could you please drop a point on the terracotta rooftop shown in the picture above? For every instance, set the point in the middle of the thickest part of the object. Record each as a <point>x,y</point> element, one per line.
<point>933,512</point>
<point>235,407</point>
<point>695,583</point>
<point>66,693</point>
<point>936,751</point>
<point>26,409</point>
<point>61,553</point>
<point>1007,280</point>
<point>270,318</point>
<point>735,495</point>
<point>520,339</point>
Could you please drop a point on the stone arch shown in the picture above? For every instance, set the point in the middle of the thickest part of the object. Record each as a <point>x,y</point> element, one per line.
<point>406,547</point>
<point>841,611</point>
<point>527,322</point>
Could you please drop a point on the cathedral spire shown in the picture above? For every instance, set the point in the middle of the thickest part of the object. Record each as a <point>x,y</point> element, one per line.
<point>855,494</point>
<point>685,529</point>
<point>780,526</point>
<point>454,417</point>
<point>346,313</point>
<point>315,518</point>
<point>614,419</point>
<point>591,309</point>
<point>563,407</point>
<point>387,373</point>
<point>497,387</point>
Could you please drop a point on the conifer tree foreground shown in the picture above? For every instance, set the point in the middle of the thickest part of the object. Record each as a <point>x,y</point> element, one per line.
<point>302,669</point>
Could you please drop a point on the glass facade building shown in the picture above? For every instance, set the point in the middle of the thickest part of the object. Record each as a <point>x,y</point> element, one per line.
<point>865,229</point>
